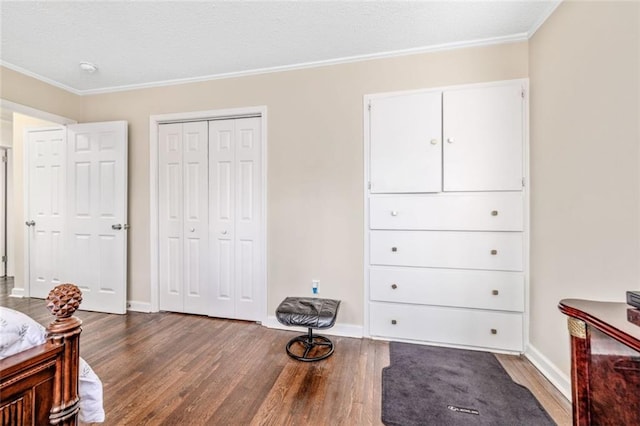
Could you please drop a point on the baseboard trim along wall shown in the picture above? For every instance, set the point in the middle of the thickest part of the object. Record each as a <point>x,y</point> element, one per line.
<point>550,371</point>
<point>135,306</point>
<point>17,292</point>
<point>344,330</point>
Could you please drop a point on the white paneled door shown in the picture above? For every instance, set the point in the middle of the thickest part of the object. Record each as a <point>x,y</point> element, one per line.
<point>183,212</point>
<point>78,213</point>
<point>235,185</point>
<point>46,209</point>
<point>97,213</point>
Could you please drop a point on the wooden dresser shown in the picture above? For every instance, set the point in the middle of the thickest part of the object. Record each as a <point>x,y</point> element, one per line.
<point>605,362</point>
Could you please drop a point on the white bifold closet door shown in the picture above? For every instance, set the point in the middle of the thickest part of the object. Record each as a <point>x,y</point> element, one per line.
<point>235,190</point>
<point>183,227</point>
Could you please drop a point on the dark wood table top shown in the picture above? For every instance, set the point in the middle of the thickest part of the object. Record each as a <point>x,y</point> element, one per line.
<point>616,319</point>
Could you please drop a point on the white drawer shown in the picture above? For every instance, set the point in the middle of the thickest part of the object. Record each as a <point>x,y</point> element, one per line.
<point>454,326</point>
<point>499,211</point>
<point>497,290</point>
<point>502,251</point>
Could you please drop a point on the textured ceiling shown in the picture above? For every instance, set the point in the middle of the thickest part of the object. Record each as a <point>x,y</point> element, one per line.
<point>137,44</point>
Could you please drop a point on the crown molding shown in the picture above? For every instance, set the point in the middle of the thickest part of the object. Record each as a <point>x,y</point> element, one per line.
<point>41,78</point>
<point>359,58</point>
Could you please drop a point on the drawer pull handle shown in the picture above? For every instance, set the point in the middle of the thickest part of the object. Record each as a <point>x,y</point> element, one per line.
<point>494,213</point>
<point>494,331</point>
<point>394,322</point>
<point>394,286</point>
<point>394,249</point>
<point>394,213</point>
<point>494,292</point>
<point>494,252</point>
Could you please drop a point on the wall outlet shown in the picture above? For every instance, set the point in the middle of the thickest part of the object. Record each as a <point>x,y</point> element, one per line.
<point>315,284</point>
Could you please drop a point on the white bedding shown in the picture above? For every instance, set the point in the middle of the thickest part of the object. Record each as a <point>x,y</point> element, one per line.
<point>19,332</point>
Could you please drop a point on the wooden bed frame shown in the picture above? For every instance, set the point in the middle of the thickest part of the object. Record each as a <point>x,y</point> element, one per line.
<point>39,386</point>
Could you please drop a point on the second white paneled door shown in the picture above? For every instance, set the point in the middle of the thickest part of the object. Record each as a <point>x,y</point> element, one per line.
<point>210,218</point>
<point>235,213</point>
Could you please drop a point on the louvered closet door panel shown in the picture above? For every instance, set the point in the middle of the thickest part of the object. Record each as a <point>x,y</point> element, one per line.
<point>405,146</point>
<point>222,196</point>
<point>483,138</point>
<point>171,217</point>
<point>497,211</point>
<point>196,217</point>
<point>496,290</point>
<point>248,202</point>
<point>500,251</point>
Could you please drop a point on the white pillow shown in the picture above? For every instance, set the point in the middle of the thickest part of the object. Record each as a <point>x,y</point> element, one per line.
<point>18,332</point>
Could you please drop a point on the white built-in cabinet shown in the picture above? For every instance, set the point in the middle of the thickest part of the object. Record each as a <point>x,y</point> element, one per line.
<point>210,222</point>
<point>446,228</point>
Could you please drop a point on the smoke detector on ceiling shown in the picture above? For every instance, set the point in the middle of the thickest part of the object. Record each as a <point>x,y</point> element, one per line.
<point>88,67</point>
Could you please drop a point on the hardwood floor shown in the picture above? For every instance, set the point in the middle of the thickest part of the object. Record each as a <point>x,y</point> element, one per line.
<point>174,369</point>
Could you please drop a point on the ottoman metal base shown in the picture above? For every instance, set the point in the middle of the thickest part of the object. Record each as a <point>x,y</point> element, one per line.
<point>315,347</point>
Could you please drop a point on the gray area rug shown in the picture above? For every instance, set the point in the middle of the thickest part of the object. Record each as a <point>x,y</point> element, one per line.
<point>426,385</point>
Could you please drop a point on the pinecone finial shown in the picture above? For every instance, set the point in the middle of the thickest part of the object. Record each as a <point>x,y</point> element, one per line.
<point>64,300</point>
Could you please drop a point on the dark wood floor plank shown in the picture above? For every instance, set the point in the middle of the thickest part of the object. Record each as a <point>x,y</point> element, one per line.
<point>174,369</point>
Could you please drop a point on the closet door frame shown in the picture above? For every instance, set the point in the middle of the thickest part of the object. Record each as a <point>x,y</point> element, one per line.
<point>154,122</point>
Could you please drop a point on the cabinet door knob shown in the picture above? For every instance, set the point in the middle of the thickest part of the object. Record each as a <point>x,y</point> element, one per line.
<point>494,331</point>
<point>394,213</point>
<point>494,292</point>
<point>494,213</point>
<point>192,230</point>
<point>494,252</point>
<point>394,286</point>
<point>394,322</point>
<point>434,141</point>
<point>394,249</point>
<point>450,140</point>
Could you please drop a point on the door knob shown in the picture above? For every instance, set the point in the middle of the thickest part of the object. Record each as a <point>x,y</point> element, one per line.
<point>434,141</point>
<point>192,230</point>
<point>394,286</point>
<point>450,140</point>
<point>116,227</point>
<point>224,232</point>
<point>394,213</point>
<point>30,223</point>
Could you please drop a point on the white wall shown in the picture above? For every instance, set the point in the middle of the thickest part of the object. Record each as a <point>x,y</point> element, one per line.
<point>585,163</point>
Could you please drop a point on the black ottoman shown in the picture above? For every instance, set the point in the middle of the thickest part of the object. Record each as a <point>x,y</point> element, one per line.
<point>310,312</point>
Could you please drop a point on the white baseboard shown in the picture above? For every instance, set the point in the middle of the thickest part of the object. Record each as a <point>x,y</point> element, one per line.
<point>557,378</point>
<point>17,292</point>
<point>135,306</point>
<point>345,330</point>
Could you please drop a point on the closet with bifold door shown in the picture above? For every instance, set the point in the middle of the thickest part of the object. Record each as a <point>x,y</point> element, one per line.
<point>210,214</point>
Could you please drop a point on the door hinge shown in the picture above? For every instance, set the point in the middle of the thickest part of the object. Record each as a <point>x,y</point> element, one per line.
<point>369,185</point>
<point>369,106</point>
<point>523,182</point>
<point>4,158</point>
<point>522,93</point>
<point>4,259</point>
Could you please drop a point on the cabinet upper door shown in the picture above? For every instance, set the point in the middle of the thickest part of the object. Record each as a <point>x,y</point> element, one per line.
<point>405,144</point>
<point>483,138</point>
